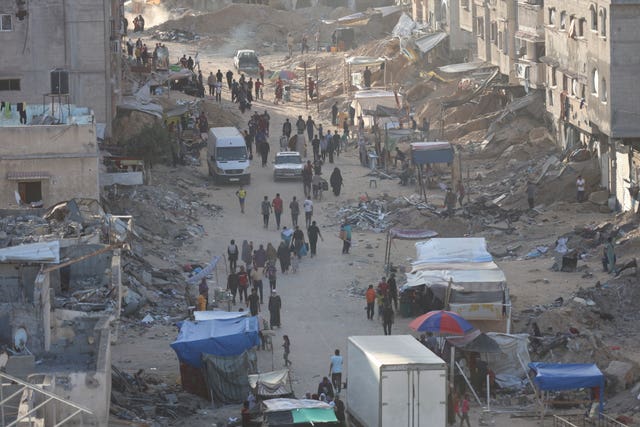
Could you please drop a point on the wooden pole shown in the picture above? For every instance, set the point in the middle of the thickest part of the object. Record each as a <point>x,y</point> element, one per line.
<point>82,258</point>
<point>306,90</point>
<point>317,89</point>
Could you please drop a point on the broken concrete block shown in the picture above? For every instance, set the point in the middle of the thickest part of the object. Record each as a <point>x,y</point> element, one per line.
<point>599,197</point>
<point>620,374</point>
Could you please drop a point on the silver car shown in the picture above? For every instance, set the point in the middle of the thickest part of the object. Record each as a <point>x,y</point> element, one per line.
<point>288,165</point>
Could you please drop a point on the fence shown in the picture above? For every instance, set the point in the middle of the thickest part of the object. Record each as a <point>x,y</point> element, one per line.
<point>582,421</point>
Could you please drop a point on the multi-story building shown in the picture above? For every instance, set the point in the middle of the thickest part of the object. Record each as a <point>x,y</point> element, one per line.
<point>80,38</point>
<point>496,23</point>
<point>529,71</point>
<point>443,15</point>
<point>592,62</point>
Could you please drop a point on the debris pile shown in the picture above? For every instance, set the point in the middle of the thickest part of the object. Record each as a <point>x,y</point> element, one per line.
<point>146,397</point>
<point>176,35</point>
<point>367,215</point>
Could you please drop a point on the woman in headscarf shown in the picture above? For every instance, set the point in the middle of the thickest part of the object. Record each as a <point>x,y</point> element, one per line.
<point>284,255</point>
<point>336,181</point>
<point>272,254</point>
<point>246,253</point>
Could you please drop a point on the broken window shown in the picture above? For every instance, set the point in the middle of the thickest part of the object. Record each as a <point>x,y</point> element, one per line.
<point>494,32</point>
<point>594,81</point>
<point>480,25</point>
<point>582,25</point>
<point>603,22</point>
<point>5,23</point>
<point>30,191</point>
<point>603,90</point>
<point>554,79</point>
<point>574,87</point>
<point>594,17</point>
<point>550,97</point>
<point>563,20</point>
<point>552,16</point>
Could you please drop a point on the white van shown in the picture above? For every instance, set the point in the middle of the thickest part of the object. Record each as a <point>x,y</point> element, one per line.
<point>227,156</point>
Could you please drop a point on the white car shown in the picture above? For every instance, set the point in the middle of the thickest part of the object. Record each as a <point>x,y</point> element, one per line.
<point>288,165</point>
<point>246,61</point>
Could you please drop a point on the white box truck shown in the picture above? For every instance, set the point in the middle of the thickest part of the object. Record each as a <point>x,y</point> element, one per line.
<point>394,381</point>
<point>227,156</point>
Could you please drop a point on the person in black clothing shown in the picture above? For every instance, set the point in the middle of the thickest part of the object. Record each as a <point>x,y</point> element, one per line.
<point>297,240</point>
<point>340,411</point>
<point>334,114</point>
<point>229,78</point>
<point>232,285</point>
<point>313,232</point>
<point>219,76</point>
<point>336,181</point>
<point>248,140</point>
<point>301,125</point>
<point>253,302</point>
<point>307,177</point>
<point>326,387</point>
<point>315,143</point>
<point>264,152</point>
<point>387,317</point>
<point>393,290</point>
<point>286,128</point>
<point>232,252</point>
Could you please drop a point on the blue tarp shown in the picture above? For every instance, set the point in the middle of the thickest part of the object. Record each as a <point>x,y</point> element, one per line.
<point>220,337</point>
<point>568,376</point>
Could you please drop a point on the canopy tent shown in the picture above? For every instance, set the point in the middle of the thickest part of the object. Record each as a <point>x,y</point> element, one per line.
<point>506,364</point>
<point>216,315</point>
<point>300,412</point>
<point>220,337</point>
<point>568,376</point>
<point>431,152</point>
<point>366,102</point>
<point>351,78</point>
<point>475,341</point>
<point>271,384</point>
<point>405,234</point>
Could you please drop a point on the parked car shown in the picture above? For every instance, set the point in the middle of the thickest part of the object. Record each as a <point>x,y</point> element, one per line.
<point>288,165</point>
<point>246,61</point>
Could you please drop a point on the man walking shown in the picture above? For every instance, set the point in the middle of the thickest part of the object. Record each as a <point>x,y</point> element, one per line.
<point>370,296</point>
<point>393,290</point>
<point>308,211</point>
<point>276,203</point>
<point>253,302</point>
<point>580,184</point>
<point>335,371</point>
<point>334,114</point>
<point>242,195</point>
<point>313,232</point>
<point>286,128</point>
<point>294,207</point>
<point>232,252</point>
<point>266,210</point>
<point>211,81</point>
<point>387,316</point>
<point>345,235</point>
<point>307,178</point>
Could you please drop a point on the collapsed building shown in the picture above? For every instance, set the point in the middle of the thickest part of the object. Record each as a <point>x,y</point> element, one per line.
<point>60,300</point>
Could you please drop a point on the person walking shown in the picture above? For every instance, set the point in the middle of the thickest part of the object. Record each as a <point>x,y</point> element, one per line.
<point>307,178</point>
<point>284,256</point>
<point>286,128</point>
<point>242,195</point>
<point>256,278</point>
<point>253,302</point>
<point>287,349</point>
<point>276,203</point>
<point>313,232</point>
<point>310,124</point>
<point>334,114</point>
<point>243,284</point>
<point>266,210</point>
<point>271,272</point>
<point>336,181</point>
<point>345,235</point>
<point>580,184</point>
<point>387,316</point>
<point>335,370</point>
<point>308,211</point>
<point>232,285</point>
<point>211,82</point>
<point>463,409</point>
<point>264,149</point>
<point>275,304</point>
<point>370,297</point>
<point>294,207</point>
<point>393,290</point>
<point>232,253</point>
<point>297,241</point>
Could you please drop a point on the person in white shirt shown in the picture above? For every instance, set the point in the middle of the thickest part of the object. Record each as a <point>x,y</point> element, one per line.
<point>580,184</point>
<point>308,211</point>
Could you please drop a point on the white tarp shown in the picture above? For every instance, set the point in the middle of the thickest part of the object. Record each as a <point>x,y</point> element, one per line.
<point>464,280</point>
<point>41,252</point>
<point>215,315</point>
<point>371,99</point>
<point>452,250</point>
<point>506,365</point>
<point>429,42</point>
<point>276,405</point>
<point>365,60</point>
<point>404,27</point>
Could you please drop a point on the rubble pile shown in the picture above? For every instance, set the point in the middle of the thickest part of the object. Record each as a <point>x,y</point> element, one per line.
<point>366,215</point>
<point>144,397</point>
<point>175,35</point>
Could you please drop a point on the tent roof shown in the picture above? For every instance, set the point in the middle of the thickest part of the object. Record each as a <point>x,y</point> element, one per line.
<point>220,337</point>
<point>213,315</point>
<point>411,234</point>
<point>274,405</point>
<point>431,145</point>
<point>275,383</point>
<point>566,376</point>
<point>365,60</point>
<point>476,341</point>
<point>374,93</point>
<point>453,250</point>
<point>469,280</point>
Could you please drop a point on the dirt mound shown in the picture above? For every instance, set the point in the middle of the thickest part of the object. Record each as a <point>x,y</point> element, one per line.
<point>128,124</point>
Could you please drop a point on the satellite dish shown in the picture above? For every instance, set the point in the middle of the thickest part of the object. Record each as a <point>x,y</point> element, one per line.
<point>20,339</point>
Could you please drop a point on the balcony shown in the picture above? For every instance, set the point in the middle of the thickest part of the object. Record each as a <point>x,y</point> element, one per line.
<point>531,72</point>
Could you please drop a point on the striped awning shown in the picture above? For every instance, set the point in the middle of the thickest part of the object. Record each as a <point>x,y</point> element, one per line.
<point>27,176</point>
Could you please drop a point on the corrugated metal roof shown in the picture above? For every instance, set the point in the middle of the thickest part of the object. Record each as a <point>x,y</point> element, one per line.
<point>427,43</point>
<point>18,176</point>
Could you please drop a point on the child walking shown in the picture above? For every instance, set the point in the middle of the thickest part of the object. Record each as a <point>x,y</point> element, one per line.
<point>287,347</point>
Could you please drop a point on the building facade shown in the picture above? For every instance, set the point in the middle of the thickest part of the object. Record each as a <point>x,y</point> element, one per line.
<point>592,62</point>
<point>81,38</point>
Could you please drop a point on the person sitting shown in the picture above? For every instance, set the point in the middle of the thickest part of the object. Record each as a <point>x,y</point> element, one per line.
<point>325,387</point>
<point>406,174</point>
<point>400,157</point>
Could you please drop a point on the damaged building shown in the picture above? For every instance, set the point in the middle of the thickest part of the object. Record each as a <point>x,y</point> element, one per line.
<point>60,301</point>
<point>61,51</point>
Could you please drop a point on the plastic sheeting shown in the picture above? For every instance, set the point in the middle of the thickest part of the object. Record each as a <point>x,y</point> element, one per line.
<point>196,278</point>
<point>276,405</point>
<point>41,252</point>
<point>411,233</point>
<point>506,364</point>
<point>490,280</point>
<point>227,376</point>
<point>220,337</point>
<point>404,27</point>
<point>428,43</point>
<point>276,383</point>
<point>431,152</point>
<point>452,250</point>
<point>216,315</point>
<point>566,376</point>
